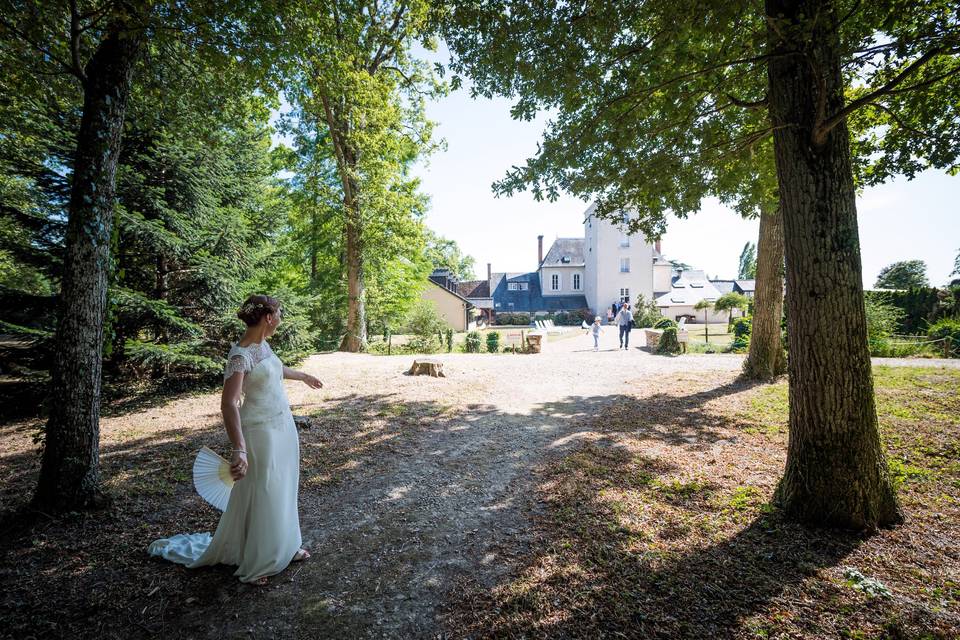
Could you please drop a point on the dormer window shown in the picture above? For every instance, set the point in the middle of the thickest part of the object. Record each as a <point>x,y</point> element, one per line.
<point>565,259</point>
<point>696,285</point>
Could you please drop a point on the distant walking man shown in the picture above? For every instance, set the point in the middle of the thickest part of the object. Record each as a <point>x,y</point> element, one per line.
<point>625,320</point>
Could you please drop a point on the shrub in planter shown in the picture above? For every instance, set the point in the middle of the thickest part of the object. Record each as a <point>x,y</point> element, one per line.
<point>473,342</point>
<point>665,323</point>
<point>668,343</point>
<point>493,342</point>
<point>947,329</point>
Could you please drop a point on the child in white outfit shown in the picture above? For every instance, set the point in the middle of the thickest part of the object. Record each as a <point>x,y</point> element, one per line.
<point>595,330</point>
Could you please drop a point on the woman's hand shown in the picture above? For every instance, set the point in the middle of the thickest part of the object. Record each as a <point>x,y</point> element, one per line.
<point>311,382</point>
<point>238,465</point>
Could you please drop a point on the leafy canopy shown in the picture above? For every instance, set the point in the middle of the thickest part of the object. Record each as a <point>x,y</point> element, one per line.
<point>903,275</point>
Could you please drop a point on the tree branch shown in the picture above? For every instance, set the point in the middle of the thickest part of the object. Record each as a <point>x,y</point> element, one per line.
<point>75,32</point>
<point>383,53</point>
<point>44,50</point>
<point>746,104</point>
<point>823,128</point>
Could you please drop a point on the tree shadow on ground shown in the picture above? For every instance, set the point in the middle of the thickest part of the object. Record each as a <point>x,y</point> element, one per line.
<point>87,575</point>
<point>628,550</point>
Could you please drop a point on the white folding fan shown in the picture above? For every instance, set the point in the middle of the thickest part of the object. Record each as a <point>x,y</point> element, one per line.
<point>211,477</point>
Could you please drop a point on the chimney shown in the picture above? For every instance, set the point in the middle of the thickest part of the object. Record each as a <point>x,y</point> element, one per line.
<point>656,245</point>
<point>539,250</point>
<point>489,273</point>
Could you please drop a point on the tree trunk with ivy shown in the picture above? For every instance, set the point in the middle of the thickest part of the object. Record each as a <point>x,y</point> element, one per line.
<point>766,358</point>
<point>836,473</point>
<point>70,467</point>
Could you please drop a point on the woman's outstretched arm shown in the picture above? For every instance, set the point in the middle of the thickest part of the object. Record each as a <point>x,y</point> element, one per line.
<point>306,378</point>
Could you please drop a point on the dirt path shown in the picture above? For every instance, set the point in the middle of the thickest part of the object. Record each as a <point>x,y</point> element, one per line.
<point>408,485</point>
<point>450,497</point>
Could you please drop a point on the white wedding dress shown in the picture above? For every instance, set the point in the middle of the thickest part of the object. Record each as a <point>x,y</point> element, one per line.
<point>260,530</point>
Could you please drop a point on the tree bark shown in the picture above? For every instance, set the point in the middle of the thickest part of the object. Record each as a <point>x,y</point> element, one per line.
<point>69,472</point>
<point>836,473</point>
<point>355,339</point>
<point>766,358</point>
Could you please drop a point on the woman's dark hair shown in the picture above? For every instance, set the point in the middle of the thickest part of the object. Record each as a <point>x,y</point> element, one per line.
<point>256,307</point>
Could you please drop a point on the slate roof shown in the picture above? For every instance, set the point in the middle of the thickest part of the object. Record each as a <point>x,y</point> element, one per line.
<point>723,286</point>
<point>747,285</point>
<point>532,299</point>
<point>569,249</point>
<point>689,288</point>
<point>474,288</point>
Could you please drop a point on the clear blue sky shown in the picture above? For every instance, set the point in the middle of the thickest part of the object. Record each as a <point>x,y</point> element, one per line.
<point>901,220</point>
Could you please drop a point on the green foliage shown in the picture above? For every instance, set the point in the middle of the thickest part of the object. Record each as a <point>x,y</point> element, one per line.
<point>742,327</point>
<point>449,339</point>
<point>646,313</point>
<point>921,306</point>
<point>511,318</point>
<point>740,344</point>
<point>473,342</point>
<point>493,341</point>
<point>730,301</point>
<point>903,275</point>
<point>170,359</point>
<point>947,329</point>
<point>665,323</point>
<point>668,344</point>
<point>747,269</point>
<point>425,323</point>
<point>882,321</point>
<point>444,253</point>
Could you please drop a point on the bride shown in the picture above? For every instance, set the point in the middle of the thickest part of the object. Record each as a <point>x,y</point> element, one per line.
<point>260,530</point>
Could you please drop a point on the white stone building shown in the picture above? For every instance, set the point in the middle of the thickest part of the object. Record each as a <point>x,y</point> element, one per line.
<point>604,267</point>
<point>619,267</point>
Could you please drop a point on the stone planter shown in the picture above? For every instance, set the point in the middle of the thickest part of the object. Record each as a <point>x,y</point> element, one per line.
<point>652,336</point>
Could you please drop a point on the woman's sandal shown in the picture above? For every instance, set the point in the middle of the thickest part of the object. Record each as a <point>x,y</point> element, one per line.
<point>301,555</point>
<point>260,582</point>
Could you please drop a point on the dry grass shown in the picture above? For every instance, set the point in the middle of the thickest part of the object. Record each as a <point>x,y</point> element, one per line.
<point>662,527</point>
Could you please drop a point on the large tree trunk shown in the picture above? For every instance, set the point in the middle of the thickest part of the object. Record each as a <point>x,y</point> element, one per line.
<point>836,473</point>
<point>356,337</point>
<point>70,473</point>
<point>766,359</point>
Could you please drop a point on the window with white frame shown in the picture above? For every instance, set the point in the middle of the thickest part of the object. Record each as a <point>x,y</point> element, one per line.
<point>624,294</point>
<point>624,240</point>
<point>624,265</point>
<point>576,282</point>
<point>513,286</point>
<point>555,282</point>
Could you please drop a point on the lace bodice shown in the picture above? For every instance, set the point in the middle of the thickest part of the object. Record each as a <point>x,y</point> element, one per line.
<point>263,397</point>
<point>246,358</point>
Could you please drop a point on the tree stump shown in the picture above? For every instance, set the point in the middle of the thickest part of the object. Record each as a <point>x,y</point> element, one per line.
<point>433,368</point>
